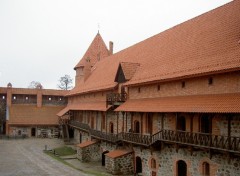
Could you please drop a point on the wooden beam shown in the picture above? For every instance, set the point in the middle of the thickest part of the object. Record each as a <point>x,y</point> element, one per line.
<point>117,121</point>
<point>123,115</point>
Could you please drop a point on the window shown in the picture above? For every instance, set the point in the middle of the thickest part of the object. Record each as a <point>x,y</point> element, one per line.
<point>210,81</point>
<point>3,97</point>
<point>26,98</point>
<point>49,98</point>
<point>206,169</point>
<point>158,87</point>
<point>60,99</point>
<point>14,97</point>
<point>139,90</point>
<point>183,84</point>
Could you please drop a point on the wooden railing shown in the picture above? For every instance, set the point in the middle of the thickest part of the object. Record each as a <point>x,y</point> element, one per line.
<point>113,98</point>
<point>203,140</point>
<point>80,125</point>
<point>200,140</point>
<point>136,138</point>
<point>104,136</point>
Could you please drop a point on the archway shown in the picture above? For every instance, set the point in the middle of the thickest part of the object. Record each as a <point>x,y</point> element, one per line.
<point>181,168</point>
<point>181,123</point>
<point>136,126</point>
<point>138,165</point>
<point>206,169</point>
<point>111,127</point>
<point>103,157</point>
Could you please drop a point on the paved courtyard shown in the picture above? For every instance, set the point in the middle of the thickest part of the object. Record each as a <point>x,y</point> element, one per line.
<point>25,157</point>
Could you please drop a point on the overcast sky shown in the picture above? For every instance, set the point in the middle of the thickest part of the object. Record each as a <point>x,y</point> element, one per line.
<point>42,40</point>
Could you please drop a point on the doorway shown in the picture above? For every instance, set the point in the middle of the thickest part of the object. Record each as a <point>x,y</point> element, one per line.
<point>33,132</point>
<point>181,123</point>
<point>205,124</point>
<point>136,126</point>
<point>103,157</point>
<point>138,165</point>
<point>181,168</point>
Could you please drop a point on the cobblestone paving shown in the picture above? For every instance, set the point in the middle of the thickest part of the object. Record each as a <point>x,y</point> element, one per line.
<point>25,157</point>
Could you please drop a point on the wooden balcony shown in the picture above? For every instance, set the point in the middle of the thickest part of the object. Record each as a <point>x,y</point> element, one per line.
<point>196,140</point>
<point>137,138</point>
<point>79,125</point>
<point>116,98</point>
<point>110,137</point>
<point>200,140</point>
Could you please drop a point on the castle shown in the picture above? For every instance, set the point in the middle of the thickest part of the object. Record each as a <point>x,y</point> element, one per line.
<point>168,105</point>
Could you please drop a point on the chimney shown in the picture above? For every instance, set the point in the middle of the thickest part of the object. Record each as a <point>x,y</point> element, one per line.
<point>87,69</point>
<point>110,48</point>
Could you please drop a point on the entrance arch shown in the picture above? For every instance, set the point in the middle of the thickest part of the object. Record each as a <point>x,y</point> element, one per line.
<point>103,157</point>
<point>111,127</point>
<point>138,165</point>
<point>181,168</point>
<point>181,123</point>
<point>136,126</point>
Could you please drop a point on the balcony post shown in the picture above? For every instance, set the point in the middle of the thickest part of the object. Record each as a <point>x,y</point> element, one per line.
<point>229,118</point>
<point>123,116</point>
<point>126,122</point>
<point>117,121</point>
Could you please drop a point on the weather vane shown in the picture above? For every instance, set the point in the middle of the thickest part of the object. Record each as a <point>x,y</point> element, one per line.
<point>98,27</point>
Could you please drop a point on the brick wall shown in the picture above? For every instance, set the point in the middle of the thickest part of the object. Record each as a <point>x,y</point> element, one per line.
<point>222,83</point>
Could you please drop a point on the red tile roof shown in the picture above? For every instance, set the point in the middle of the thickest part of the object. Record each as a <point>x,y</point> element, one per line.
<point>129,69</point>
<point>30,114</point>
<point>218,103</point>
<point>117,153</point>
<point>96,51</point>
<point>86,143</point>
<point>203,45</point>
<point>91,106</point>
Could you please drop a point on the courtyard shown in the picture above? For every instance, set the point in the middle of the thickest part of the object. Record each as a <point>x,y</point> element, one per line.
<point>25,157</point>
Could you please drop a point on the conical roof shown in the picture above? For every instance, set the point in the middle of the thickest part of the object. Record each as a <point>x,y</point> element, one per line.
<point>95,52</point>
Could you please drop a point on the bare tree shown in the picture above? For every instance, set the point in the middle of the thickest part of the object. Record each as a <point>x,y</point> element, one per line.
<point>65,82</point>
<point>35,85</point>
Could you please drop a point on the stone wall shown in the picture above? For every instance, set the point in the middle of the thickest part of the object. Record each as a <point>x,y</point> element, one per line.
<point>122,165</point>
<point>166,162</point>
<point>89,153</point>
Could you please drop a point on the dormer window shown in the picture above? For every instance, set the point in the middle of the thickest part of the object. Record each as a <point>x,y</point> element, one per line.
<point>183,84</point>
<point>210,81</point>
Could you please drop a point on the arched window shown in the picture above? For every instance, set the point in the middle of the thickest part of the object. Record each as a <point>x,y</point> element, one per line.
<point>136,126</point>
<point>181,168</point>
<point>206,169</point>
<point>153,163</point>
<point>111,127</point>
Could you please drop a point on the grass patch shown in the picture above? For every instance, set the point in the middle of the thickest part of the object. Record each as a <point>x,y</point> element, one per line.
<point>64,151</point>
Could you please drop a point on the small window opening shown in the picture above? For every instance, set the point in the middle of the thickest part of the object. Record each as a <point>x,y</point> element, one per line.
<point>14,97</point>
<point>183,84</point>
<point>210,81</point>
<point>26,98</point>
<point>158,87</point>
<point>153,163</point>
<point>139,89</point>
<point>3,97</point>
<point>60,99</point>
<point>49,98</point>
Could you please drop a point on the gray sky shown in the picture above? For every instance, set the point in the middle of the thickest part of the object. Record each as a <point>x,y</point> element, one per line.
<point>42,40</point>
